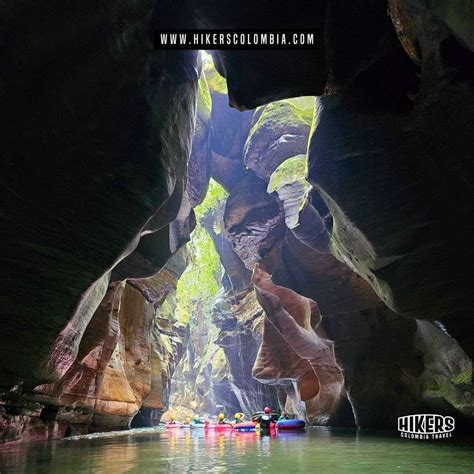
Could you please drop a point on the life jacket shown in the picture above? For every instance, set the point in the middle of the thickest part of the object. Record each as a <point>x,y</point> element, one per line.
<point>265,421</point>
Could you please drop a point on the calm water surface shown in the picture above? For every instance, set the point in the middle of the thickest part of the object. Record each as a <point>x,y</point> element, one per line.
<point>319,450</point>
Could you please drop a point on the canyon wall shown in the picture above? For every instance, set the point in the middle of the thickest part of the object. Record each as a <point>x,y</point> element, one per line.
<point>215,375</point>
<point>122,371</point>
<point>275,219</point>
<point>390,149</point>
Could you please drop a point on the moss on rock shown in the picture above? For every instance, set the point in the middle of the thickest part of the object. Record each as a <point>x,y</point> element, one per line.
<point>284,112</point>
<point>215,81</point>
<point>292,170</point>
<point>204,101</point>
<point>279,131</point>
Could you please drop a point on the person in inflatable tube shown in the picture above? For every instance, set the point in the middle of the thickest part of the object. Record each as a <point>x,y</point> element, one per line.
<point>238,417</point>
<point>284,416</point>
<point>172,420</point>
<point>197,420</point>
<point>222,420</point>
<point>265,419</point>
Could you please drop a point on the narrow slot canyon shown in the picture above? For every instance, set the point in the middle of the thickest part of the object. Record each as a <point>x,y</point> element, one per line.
<point>195,233</point>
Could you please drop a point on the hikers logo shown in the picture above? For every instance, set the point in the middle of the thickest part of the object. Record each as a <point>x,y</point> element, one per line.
<point>425,426</point>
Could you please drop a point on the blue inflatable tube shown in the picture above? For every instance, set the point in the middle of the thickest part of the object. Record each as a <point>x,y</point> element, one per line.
<point>193,425</point>
<point>291,424</point>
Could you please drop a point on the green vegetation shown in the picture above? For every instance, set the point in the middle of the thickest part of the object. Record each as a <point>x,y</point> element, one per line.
<point>314,123</point>
<point>284,113</point>
<point>291,170</point>
<point>462,378</point>
<point>215,81</point>
<point>204,101</point>
<point>284,116</point>
<point>216,195</point>
<point>200,282</point>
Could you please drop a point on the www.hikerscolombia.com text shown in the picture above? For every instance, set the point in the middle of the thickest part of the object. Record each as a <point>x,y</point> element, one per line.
<point>228,40</point>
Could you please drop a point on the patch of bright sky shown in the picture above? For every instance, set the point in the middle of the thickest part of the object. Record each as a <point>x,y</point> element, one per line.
<point>205,56</point>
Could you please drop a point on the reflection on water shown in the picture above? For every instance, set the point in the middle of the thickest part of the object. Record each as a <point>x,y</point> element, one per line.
<point>316,450</point>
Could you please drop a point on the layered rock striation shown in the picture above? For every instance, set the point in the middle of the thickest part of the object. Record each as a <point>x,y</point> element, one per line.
<point>122,371</point>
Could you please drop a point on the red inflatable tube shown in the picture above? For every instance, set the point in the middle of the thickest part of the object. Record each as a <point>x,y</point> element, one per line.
<point>172,425</point>
<point>218,426</point>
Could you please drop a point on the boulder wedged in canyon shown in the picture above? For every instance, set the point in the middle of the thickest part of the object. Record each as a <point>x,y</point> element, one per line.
<point>248,73</point>
<point>279,131</point>
<point>345,47</point>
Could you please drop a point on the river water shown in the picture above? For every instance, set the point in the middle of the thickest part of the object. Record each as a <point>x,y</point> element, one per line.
<point>321,450</point>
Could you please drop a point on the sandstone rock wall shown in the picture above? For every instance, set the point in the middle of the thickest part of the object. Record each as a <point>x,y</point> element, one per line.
<point>290,233</point>
<point>123,369</point>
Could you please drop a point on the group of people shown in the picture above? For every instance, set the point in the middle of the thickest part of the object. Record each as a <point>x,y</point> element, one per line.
<point>264,418</point>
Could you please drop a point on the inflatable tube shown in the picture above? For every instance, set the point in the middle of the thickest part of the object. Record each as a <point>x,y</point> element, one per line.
<point>274,415</point>
<point>218,426</point>
<point>196,425</point>
<point>245,427</point>
<point>290,424</point>
<point>171,426</point>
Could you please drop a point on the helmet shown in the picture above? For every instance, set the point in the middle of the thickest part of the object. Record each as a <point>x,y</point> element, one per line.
<point>267,410</point>
<point>196,418</point>
<point>188,419</point>
<point>221,416</point>
<point>172,418</point>
<point>237,416</point>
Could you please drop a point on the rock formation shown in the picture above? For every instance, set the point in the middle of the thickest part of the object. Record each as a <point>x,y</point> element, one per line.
<point>215,375</point>
<point>111,154</point>
<point>290,234</point>
<point>292,347</point>
<point>123,368</point>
